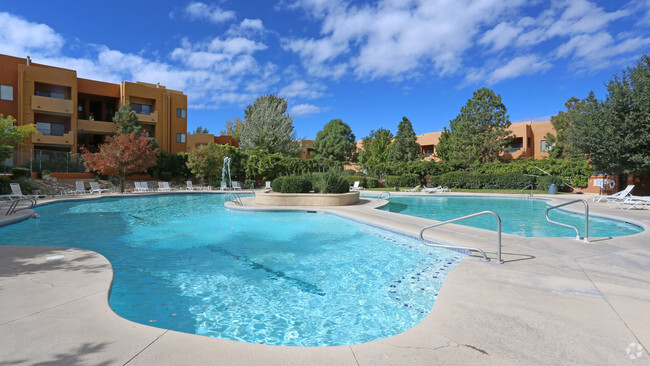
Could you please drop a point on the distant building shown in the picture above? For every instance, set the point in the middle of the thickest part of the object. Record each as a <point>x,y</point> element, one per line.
<point>70,112</point>
<point>530,141</point>
<point>197,140</point>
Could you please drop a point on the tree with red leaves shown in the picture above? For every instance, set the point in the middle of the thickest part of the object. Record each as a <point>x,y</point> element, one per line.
<point>121,155</point>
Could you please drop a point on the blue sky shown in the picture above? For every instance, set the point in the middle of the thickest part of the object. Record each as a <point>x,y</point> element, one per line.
<point>366,62</point>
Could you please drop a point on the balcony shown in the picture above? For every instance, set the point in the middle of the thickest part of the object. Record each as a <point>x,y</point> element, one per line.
<point>65,140</point>
<point>52,105</point>
<point>100,127</point>
<point>148,118</point>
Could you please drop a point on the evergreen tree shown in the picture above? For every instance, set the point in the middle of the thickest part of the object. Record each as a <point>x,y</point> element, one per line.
<point>615,133</point>
<point>335,142</point>
<point>479,132</point>
<point>267,126</point>
<point>201,129</point>
<point>127,121</point>
<point>376,147</point>
<point>560,146</point>
<point>405,147</point>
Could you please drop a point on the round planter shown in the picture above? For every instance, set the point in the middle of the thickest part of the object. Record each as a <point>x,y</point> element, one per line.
<point>306,199</point>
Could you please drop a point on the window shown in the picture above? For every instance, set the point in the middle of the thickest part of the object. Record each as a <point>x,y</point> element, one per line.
<point>181,113</point>
<point>6,92</point>
<point>544,147</point>
<point>141,108</point>
<point>514,147</point>
<point>49,94</point>
<point>50,129</point>
<point>180,137</point>
<point>428,152</point>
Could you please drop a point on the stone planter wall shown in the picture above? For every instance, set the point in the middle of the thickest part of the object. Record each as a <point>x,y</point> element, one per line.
<point>306,199</point>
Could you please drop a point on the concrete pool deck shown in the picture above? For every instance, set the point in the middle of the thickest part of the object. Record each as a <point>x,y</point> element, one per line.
<point>553,301</point>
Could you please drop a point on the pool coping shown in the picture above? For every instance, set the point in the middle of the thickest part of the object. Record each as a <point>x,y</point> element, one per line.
<point>597,293</point>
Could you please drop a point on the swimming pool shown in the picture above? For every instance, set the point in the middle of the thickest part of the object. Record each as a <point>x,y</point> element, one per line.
<point>523,217</point>
<point>184,262</point>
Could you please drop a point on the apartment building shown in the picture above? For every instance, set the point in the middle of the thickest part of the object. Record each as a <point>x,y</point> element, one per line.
<point>530,141</point>
<point>70,112</point>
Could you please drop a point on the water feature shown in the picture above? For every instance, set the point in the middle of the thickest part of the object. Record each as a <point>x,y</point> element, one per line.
<point>226,167</point>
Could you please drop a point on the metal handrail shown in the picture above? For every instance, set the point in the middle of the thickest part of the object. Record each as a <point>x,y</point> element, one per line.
<point>231,196</point>
<point>586,238</point>
<point>382,193</point>
<point>13,207</point>
<point>531,190</point>
<point>485,258</point>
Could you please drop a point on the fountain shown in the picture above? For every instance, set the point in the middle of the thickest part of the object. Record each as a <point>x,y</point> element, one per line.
<point>226,164</point>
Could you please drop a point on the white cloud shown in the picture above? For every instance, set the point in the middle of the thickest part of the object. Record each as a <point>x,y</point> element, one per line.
<point>254,24</point>
<point>19,37</point>
<point>211,12</point>
<point>522,65</point>
<point>302,89</point>
<point>304,109</point>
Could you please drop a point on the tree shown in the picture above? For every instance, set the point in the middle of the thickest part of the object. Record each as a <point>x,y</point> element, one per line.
<point>121,155</point>
<point>405,147</point>
<point>376,147</point>
<point>207,162</point>
<point>559,143</point>
<point>335,142</point>
<point>479,132</point>
<point>127,121</point>
<point>262,164</point>
<point>233,128</point>
<point>12,136</point>
<point>268,126</point>
<point>200,129</point>
<point>615,133</point>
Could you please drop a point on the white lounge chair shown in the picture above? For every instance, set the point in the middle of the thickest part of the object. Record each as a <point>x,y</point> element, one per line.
<point>224,186</point>
<point>640,202</point>
<point>432,189</point>
<point>614,197</point>
<point>94,187</point>
<point>267,186</point>
<point>164,187</point>
<point>190,187</point>
<point>356,186</point>
<point>236,185</point>
<point>17,193</point>
<point>145,187</point>
<point>139,187</point>
<point>79,187</point>
<point>414,189</point>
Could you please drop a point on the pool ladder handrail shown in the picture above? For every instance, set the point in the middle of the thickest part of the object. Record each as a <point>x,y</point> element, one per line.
<point>382,193</point>
<point>531,190</point>
<point>13,207</point>
<point>231,196</point>
<point>485,258</point>
<point>586,237</point>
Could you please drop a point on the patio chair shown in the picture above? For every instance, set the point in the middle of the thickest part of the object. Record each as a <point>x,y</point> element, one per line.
<point>145,187</point>
<point>94,187</point>
<point>17,193</point>
<point>267,187</point>
<point>190,187</point>
<point>164,187</point>
<point>139,187</point>
<point>414,189</point>
<point>224,186</point>
<point>639,202</point>
<point>356,186</point>
<point>236,185</point>
<point>432,189</point>
<point>79,187</point>
<point>614,197</point>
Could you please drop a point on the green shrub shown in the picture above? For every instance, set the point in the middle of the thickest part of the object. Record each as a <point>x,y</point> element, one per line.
<point>4,185</point>
<point>166,176</point>
<point>248,183</point>
<point>467,180</point>
<point>409,180</point>
<point>349,172</point>
<point>544,182</point>
<point>353,178</point>
<point>18,173</point>
<point>276,184</point>
<point>392,181</point>
<point>296,184</point>
<point>371,182</point>
<point>330,183</point>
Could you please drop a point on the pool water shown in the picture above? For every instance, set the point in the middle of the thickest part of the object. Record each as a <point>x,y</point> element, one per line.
<point>523,217</point>
<point>186,263</point>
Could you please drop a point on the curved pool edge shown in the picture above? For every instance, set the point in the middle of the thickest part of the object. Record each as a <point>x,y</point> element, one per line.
<point>461,328</point>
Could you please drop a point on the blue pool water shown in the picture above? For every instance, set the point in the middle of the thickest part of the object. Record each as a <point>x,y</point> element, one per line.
<point>184,262</point>
<point>523,217</point>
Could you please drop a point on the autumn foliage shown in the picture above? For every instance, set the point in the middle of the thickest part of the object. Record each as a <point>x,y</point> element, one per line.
<point>121,155</point>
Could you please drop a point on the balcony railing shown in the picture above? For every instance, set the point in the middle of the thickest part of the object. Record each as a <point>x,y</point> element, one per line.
<point>52,105</point>
<point>148,118</point>
<point>66,140</point>
<point>84,125</point>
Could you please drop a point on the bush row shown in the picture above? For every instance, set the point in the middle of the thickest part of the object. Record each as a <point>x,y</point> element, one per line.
<point>467,180</point>
<point>304,183</point>
<point>366,182</point>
